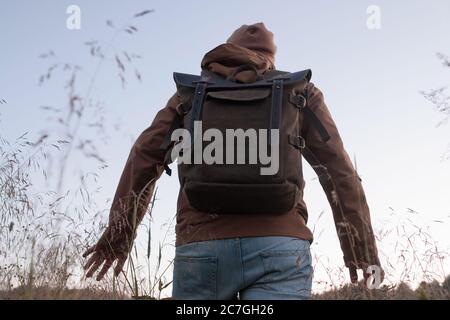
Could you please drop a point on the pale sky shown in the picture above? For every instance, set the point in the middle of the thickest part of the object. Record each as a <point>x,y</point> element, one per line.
<point>370,78</point>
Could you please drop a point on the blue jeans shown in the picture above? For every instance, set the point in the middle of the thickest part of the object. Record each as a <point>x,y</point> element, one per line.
<point>258,268</point>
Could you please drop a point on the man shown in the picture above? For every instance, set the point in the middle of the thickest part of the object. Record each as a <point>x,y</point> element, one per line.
<point>256,256</point>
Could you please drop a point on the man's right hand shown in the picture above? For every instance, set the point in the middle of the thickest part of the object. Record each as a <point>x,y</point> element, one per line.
<point>106,252</point>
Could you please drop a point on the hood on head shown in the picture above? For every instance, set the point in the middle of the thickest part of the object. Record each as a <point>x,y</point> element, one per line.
<point>247,45</point>
<point>255,37</point>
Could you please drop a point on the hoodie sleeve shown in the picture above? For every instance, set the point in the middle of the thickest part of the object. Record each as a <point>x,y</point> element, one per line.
<point>143,167</point>
<point>341,184</point>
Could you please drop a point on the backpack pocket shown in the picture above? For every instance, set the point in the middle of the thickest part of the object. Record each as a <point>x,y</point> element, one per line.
<point>225,198</point>
<point>240,95</point>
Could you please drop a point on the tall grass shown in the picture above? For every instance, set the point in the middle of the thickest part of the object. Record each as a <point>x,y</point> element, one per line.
<point>46,218</point>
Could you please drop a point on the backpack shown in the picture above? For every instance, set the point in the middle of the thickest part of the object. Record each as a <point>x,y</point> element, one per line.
<point>273,107</point>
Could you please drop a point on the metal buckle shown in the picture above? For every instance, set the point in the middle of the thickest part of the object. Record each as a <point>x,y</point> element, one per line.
<point>181,110</point>
<point>298,100</point>
<point>297,141</point>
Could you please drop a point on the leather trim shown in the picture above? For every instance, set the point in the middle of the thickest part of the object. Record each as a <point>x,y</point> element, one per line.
<point>240,95</point>
<point>189,80</point>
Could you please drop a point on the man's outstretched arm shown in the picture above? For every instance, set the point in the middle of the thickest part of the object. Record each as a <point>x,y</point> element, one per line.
<point>342,186</point>
<point>143,167</point>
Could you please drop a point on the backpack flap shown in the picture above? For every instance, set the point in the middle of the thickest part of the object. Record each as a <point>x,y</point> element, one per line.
<point>191,81</point>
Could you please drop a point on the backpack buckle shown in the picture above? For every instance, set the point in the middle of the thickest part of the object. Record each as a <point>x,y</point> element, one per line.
<point>182,110</point>
<point>297,141</point>
<point>298,100</point>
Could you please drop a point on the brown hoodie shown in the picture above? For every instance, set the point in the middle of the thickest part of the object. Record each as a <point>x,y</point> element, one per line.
<point>248,45</point>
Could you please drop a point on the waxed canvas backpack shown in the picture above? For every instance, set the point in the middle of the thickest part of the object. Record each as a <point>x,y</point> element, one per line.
<point>235,183</point>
